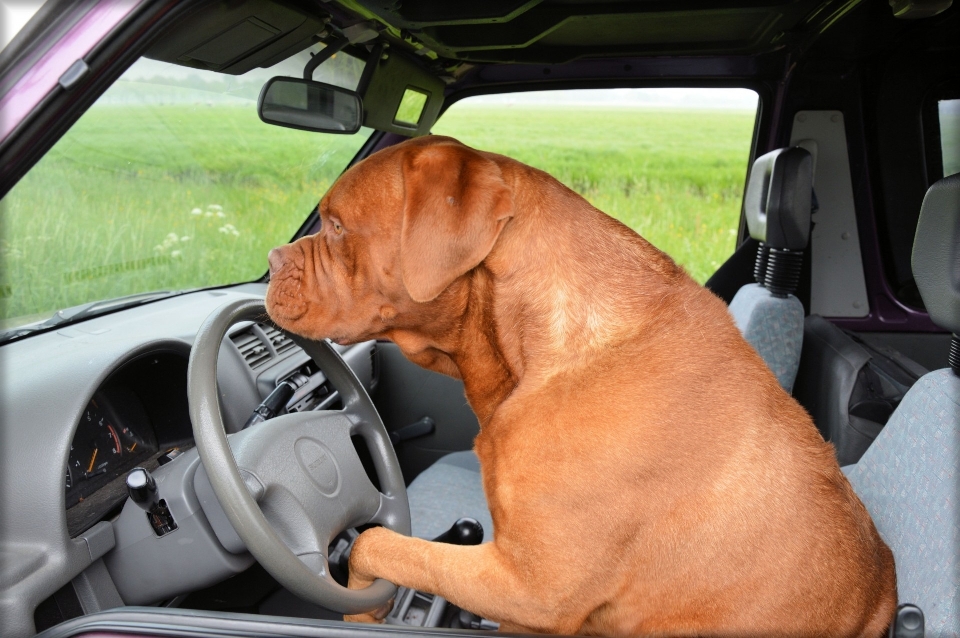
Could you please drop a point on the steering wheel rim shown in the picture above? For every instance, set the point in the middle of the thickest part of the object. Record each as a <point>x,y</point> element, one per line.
<point>306,575</point>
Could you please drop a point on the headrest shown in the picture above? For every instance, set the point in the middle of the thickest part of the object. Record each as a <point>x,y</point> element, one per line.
<point>777,202</point>
<point>936,253</point>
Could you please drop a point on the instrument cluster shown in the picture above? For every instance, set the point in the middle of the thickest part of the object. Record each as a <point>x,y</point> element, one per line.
<point>107,443</point>
<point>139,416</point>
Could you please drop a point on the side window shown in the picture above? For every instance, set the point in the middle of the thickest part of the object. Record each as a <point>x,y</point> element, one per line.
<point>669,163</point>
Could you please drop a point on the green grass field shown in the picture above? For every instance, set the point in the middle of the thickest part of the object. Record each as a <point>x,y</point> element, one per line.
<point>147,197</point>
<point>674,177</point>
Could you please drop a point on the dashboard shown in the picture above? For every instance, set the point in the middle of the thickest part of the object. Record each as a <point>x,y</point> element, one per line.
<point>83,405</point>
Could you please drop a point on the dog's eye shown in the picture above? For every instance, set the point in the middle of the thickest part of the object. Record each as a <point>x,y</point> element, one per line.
<point>337,228</point>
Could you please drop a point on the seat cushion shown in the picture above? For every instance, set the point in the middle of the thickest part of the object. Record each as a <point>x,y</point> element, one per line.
<point>909,480</point>
<point>446,491</point>
<point>773,326</point>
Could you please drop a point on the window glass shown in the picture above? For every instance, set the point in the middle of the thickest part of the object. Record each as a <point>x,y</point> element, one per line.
<point>170,181</point>
<point>411,107</point>
<point>669,163</point>
<point>949,112</point>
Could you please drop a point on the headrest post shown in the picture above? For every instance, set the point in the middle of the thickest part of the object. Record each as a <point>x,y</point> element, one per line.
<point>760,266</point>
<point>783,271</point>
<point>953,357</point>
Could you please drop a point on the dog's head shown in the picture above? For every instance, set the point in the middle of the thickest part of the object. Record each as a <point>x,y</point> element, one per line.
<point>397,230</point>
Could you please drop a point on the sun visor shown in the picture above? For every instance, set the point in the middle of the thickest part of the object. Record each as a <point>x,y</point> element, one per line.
<point>402,97</point>
<point>234,37</point>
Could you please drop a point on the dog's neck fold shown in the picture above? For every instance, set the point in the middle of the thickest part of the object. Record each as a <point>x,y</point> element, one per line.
<point>564,283</point>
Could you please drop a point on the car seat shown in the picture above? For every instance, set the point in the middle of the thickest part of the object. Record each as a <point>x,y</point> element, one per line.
<point>447,490</point>
<point>909,478</point>
<point>777,206</point>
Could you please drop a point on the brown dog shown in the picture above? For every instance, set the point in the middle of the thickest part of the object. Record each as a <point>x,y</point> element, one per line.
<point>645,472</point>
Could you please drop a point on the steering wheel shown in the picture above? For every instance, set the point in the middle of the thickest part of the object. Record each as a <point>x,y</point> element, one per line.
<point>301,467</point>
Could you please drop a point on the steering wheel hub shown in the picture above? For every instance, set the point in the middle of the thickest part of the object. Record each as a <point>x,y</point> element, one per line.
<point>318,463</point>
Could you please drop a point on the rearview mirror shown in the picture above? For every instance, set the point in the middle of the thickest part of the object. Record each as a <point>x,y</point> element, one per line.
<point>310,106</point>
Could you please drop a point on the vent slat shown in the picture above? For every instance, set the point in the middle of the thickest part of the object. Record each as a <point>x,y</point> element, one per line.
<point>252,349</point>
<point>280,341</point>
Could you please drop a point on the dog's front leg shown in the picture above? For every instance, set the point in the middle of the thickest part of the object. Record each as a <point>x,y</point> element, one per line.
<point>479,578</point>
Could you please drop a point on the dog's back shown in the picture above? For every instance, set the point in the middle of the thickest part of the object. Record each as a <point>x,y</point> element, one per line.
<point>659,445</point>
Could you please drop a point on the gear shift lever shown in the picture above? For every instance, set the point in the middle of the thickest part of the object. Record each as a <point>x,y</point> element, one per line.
<point>143,491</point>
<point>466,531</point>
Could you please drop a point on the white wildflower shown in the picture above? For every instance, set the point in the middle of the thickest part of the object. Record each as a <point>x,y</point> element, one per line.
<point>208,214</point>
<point>220,214</point>
<point>172,238</point>
<point>196,211</point>
<point>215,207</point>
<point>175,253</point>
<point>185,238</point>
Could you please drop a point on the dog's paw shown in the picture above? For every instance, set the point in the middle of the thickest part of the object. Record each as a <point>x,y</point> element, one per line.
<point>362,576</point>
<point>361,565</point>
<point>376,616</point>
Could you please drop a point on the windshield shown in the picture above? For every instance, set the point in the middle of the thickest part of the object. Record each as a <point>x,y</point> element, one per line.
<point>170,181</point>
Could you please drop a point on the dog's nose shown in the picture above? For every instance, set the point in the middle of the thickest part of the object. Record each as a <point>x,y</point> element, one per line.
<point>275,260</point>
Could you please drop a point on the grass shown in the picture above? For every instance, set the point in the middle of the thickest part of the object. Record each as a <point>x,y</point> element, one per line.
<point>147,197</point>
<point>166,197</point>
<point>675,177</point>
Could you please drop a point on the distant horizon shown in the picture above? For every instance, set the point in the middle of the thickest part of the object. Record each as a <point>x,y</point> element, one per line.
<point>699,98</point>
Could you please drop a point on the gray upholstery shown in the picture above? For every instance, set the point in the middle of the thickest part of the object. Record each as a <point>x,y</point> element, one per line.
<point>936,253</point>
<point>773,326</point>
<point>909,480</point>
<point>777,207</point>
<point>447,490</point>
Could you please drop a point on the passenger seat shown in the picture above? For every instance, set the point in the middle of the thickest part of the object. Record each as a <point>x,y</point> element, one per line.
<point>777,206</point>
<point>909,479</point>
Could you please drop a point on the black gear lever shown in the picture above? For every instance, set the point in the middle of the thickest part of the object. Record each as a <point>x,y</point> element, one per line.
<point>143,491</point>
<point>466,531</point>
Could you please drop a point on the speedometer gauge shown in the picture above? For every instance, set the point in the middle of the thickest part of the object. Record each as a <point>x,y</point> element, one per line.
<point>104,446</point>
<point>97,448</point>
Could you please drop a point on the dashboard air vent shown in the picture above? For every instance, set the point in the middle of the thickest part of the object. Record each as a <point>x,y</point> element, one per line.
<point>254,352</point>
<point>281,342</point>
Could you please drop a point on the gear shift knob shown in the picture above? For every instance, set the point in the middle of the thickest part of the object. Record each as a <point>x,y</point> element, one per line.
<point>466,531</point>
<point>142,489</point>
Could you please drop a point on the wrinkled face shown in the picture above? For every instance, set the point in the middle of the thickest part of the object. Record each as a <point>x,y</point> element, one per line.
<point>397,230</point>
<point>335,284</point>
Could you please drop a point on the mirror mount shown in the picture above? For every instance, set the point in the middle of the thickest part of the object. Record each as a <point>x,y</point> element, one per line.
<point>322,56</point>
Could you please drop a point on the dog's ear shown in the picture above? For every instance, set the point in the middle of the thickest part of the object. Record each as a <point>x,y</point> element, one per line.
<point>456,202</point>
